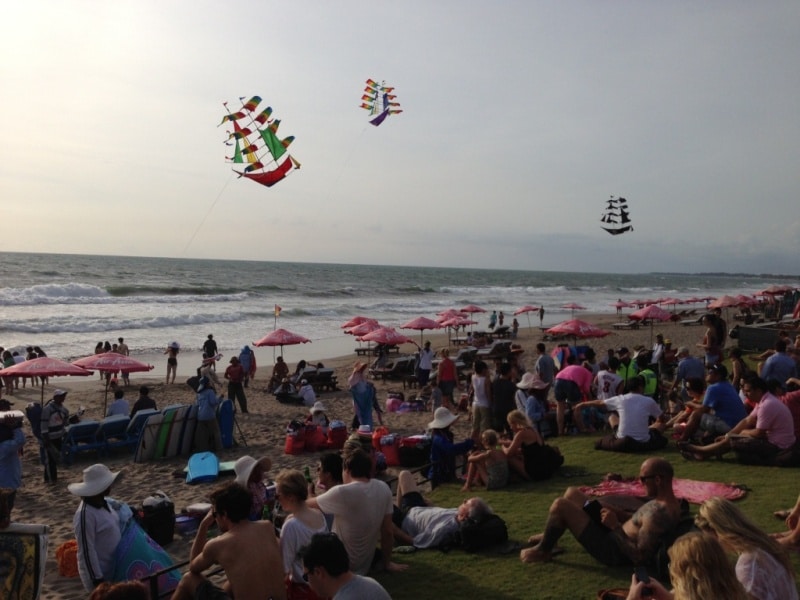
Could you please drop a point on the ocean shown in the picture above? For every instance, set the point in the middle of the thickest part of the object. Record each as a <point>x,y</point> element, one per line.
<point>68,303</point>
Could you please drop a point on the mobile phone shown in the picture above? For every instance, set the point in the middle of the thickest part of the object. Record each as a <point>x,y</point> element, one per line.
<point>643,577</point>
<point>593,508</point>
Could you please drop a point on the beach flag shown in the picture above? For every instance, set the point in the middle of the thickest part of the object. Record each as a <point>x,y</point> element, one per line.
<point>278,310</point>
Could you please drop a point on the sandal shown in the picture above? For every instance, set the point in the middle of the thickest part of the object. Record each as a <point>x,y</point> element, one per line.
<point>781,514</point>
<point>692,456</point>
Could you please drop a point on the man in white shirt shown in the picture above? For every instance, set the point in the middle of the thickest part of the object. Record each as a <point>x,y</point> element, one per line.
<point>362,514</point>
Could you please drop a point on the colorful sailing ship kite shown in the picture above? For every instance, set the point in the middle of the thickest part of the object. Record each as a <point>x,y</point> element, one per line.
<point>379,101</point>
<point>256,142</point>
<point>616,216</point>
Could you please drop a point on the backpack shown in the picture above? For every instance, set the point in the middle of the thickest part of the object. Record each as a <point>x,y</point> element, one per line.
<point>479,534</point>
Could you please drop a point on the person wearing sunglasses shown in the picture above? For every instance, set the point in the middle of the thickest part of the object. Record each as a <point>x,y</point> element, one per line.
<point>600,530</point>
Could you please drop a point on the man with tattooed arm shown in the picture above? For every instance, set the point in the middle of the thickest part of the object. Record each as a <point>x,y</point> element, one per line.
<point>602,530</point>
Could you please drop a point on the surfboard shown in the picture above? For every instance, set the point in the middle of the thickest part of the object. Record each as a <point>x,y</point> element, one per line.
<point>173,442</point>
<point>202,467</point>
<point>225,418</point>
<point>187,431</point>
<point>163,433</point>
<point>149,438</point>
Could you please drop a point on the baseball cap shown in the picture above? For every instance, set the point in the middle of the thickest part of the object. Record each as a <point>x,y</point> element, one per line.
<point>719,369</point>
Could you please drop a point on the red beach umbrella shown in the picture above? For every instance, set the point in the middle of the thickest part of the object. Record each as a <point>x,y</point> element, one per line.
<point>577,329</point>
<point>44,367</point>
<point>388,336</point>
<point>527,309</point>
<point>724,302</point>
<point>281,337</point>
<point>471,308</point>
<point>651,313</point>
<point>111,362</point>
<point>363,328</point>
<point>355,321</point>
<point>573,307</point>
<point>421,324</point>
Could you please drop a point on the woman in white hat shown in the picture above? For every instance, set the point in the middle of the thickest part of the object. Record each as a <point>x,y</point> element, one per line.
<point>96,524</point>
<point>318,417</point>
<point>443,448</point>
<point>250,474</point>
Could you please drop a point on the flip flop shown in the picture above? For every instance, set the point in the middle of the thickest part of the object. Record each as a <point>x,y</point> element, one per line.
<point>781,514</point>
<point>692,456</point>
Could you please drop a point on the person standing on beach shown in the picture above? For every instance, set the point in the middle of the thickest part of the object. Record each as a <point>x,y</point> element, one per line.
<point>172,360</point>
<point>12,440</point>
<point>545,368</point>
<point>247,358</point>
<point>425,364</point>
<point>210,349</point>
<point>235,374</point>
<point>541,315</point>
<point>207,436</point>
<point>122,348</point>
<point>493,319</point>
<point>55,417</point>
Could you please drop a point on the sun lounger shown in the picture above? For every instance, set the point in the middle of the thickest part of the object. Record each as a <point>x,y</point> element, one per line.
<point>626,325</point>
<point>113,429</point>
<point>81,437</point>
<point>498,349</point>
<point>130,438</point>
<point>503,332</point>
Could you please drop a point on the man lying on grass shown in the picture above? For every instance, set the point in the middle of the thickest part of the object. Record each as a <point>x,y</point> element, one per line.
<point>599,530</point>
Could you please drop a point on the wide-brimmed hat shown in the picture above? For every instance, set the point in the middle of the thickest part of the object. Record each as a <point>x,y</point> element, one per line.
<point>442,418</point>
<point>517,349</point>
<point>244,466</point>
<point>96,480</point>
<point>531,381</point>
<point>318,407</point>
<point>359,366</point>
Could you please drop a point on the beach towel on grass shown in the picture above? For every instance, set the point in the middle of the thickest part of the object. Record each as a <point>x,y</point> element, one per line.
<point>23,549</point>
<point>691,490</point>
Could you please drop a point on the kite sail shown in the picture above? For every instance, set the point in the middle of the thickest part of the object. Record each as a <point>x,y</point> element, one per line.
<point>379,100</point>
<point>256,142</point>
<point>617,217</point>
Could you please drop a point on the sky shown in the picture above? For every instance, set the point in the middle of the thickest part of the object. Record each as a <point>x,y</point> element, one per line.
<point>520,118</point>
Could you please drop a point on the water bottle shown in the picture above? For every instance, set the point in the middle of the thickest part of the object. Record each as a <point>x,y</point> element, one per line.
<point>307,473</point>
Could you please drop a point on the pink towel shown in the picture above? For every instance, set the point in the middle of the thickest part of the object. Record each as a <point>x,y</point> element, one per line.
<point>693,491</point>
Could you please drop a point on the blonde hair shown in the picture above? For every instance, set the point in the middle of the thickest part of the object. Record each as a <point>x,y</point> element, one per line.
<point>291,482</point>
<point>445,352</point>
<point>489,438</point>
<point>736,531</point>
<point>517,417</point>
<point>700,570</point>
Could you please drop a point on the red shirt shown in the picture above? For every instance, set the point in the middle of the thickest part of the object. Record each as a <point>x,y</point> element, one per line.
<point>235,373</point>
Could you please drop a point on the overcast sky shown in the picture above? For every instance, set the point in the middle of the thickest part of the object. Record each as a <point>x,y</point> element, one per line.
<point>520,119</point>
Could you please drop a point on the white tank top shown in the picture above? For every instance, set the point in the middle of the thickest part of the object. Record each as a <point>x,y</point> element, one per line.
<point>479,385</point>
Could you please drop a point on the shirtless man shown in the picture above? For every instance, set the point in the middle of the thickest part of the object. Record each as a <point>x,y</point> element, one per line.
<point>604,536</point>
<point>247,550</point>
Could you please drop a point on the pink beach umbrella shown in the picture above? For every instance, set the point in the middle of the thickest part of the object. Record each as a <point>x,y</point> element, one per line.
<point>354,321</point>
<point>724,302</point>
<point>421,324</point>
<point>471,308</point>
<point>527,310</point>
<point>573,307</point>
<point>363,328</point>
<point>111,362</point>
<point>388,336</point>
<point>577,329</point>
<point>281,337</point>
<point>44,367</point>
<point>651,313</point>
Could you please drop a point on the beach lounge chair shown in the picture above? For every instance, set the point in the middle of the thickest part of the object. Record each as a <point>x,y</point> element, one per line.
<point>130,438</point>
<point>503,332</point>
<point>81,437</point>
<point>113,429</point>
<point>498,349</point>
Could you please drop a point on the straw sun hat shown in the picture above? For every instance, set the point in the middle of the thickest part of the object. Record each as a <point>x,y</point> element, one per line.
<point>318,407</point>
<point>531,381</point>
<point>244,466</point>
<point>442,418</point>
<point>96,480</point>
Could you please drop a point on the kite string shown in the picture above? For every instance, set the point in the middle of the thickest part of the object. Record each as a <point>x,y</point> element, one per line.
<point>208,212</point>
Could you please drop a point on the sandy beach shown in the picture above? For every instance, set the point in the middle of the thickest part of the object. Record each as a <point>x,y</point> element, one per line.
<point>263,429</point>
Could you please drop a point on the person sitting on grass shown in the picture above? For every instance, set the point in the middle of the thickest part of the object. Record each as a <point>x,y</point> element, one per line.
<point>608,540</point>
<point>634,433</point>
<point>698,569</point>
<point>488,466</point>
<point>756,439</point>
<point>443,447</point>
<point>789,539</point>
<point>762,567</point>
<point>422,526</point>
<point>721,408</point>
<point>528,455</point>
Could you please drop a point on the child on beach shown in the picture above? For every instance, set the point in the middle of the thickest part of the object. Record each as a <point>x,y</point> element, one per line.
<point>489,466</point>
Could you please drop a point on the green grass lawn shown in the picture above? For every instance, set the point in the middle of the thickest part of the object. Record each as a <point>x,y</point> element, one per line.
<point>573,575</point>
